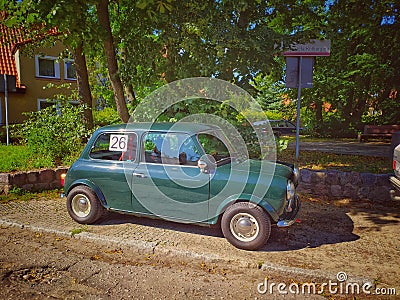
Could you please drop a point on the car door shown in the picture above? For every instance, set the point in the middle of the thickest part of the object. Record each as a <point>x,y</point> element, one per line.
<point>113,158</point>
<point>167,182</point>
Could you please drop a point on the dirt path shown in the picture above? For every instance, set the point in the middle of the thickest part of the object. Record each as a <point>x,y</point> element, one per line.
<point>37,266</point>
<point>126,257</point>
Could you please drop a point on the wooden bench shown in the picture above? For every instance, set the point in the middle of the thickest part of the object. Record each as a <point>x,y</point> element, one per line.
<point>378,132</point>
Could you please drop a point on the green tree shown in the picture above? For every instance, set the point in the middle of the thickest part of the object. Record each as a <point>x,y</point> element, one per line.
<point>361,71</point>
<point>230,40</point>
<point>48,21</point>
<point>144,44</point>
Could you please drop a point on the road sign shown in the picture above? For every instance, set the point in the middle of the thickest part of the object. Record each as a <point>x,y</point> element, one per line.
<point>299,70</point>
<point>314,48</point>
<point>292,72</point>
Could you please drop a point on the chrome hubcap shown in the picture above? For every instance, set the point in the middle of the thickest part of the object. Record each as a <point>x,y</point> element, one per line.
<point>244,227</point>
<point>81,205</point>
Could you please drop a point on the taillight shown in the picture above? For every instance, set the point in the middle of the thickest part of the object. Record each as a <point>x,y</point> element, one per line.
<point>394,164</point>
<point>62,179</point>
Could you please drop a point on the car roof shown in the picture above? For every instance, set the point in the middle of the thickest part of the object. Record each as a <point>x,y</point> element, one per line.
<point>186,127</point>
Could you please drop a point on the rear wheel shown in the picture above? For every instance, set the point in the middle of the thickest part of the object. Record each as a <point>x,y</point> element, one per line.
<point>83,205</point>
<point>246,225</point>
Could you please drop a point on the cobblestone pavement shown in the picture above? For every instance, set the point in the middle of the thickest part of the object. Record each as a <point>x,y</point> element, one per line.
<point>331,237</point>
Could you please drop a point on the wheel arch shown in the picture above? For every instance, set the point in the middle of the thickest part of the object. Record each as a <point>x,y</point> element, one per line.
<point>245,198</point>
<point>91,185</point>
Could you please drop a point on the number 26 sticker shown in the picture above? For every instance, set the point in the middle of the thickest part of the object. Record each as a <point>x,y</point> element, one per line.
<point>118,142</point>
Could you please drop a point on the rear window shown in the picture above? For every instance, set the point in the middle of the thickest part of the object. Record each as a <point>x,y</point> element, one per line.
<point>115,146</point>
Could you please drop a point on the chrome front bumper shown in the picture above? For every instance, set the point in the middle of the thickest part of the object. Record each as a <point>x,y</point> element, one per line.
<point>289,218</point>
<point>396,184</point>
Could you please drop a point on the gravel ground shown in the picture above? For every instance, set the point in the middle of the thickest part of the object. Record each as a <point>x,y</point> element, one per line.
<point>45,254</point>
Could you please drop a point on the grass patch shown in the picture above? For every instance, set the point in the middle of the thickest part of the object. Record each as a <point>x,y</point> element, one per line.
<point>307,138</point>
<point>79,230</point>
<point>20,158</point>
<point>21,195</point>
<point>342,162</point>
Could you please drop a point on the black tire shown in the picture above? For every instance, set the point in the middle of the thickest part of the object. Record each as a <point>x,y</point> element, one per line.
<point>246,225</point>
<point>83,205</point>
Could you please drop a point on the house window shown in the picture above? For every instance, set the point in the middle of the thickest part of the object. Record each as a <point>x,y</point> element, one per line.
<point>47,67</point>
<point>44,103</point>
<point>69,69</point>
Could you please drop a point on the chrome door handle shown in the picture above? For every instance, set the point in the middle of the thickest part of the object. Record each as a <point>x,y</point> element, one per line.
<point>140,175</point>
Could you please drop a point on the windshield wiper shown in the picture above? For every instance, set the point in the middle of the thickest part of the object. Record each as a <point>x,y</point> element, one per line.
<point>224,161</point>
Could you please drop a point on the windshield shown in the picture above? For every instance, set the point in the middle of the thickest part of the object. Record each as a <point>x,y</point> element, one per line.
<point>216,144</point>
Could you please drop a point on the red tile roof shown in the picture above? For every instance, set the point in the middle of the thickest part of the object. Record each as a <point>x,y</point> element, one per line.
<point>10,38</point>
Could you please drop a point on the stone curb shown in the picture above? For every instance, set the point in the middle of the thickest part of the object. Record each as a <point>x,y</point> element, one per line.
<point>45,179</point>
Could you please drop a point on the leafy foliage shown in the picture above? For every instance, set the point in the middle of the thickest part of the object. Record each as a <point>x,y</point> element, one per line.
<point>55,133</point>
<point>106,116</point>
<point>360,75</point>
<point>162,41</point>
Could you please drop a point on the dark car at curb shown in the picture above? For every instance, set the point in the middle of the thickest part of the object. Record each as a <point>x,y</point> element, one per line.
<point>395,180</point>
<point>181,172</point>
<point>279,127</point>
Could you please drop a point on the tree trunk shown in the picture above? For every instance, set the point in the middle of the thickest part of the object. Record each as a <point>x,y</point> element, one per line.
<point>130,95</point>
<point>104,22</point>
<point>129,92</point>
<point>85,97</point>
<point>318,111</point>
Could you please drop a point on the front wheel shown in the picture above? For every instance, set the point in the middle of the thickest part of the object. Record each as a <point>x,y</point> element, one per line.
<point>83,205</point>
<point>246,226</point>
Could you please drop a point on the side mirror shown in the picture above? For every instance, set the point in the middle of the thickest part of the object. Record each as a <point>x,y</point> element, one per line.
<point>202,165</point>
<point>207,164</point>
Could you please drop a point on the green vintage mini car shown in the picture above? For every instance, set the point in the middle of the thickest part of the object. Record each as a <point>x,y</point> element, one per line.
<point>182,172</point>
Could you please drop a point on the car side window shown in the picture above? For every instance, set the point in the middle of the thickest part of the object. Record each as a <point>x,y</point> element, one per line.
<point>170,148</point>
<point>115,146</point>
<point>214,146</point>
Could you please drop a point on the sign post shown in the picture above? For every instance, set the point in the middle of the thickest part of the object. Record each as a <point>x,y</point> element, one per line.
<point>298,110</point>
<point>299,71</point>
<point>8,84</point>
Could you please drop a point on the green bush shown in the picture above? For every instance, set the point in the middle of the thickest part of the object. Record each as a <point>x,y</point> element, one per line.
<point>55,134</point>
<point>254,115</point>
<point>273,144</point>
<point>104,117</point>
<point>21,158</point>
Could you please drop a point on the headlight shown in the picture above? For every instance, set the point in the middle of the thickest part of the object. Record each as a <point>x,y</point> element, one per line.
<point>296,175</point>
<point>290,190</point>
